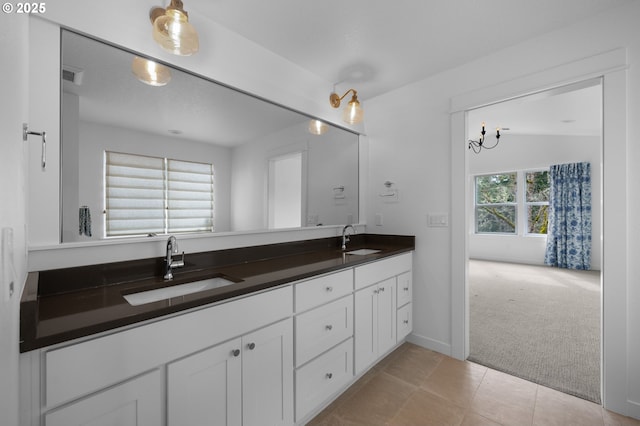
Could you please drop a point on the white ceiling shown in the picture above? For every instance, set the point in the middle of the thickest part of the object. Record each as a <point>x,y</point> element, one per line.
<point>380,45</point>
<point>374,46</point>
<point>570,110</point>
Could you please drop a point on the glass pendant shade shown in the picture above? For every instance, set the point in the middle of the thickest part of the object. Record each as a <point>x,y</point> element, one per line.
<point>173,32</point>
<point>150,72</point>
<point>317,127</point>
<point>353,113</point>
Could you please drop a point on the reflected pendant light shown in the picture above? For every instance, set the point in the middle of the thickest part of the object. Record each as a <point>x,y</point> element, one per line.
<point>317,127</point>
<point>149,72</point>
<point>172,30</point>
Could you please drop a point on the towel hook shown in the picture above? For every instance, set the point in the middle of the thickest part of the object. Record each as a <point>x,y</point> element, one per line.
<point>26,132</point>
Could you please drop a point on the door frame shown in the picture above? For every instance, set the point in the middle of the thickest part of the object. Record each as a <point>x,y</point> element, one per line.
<point>611,67</point>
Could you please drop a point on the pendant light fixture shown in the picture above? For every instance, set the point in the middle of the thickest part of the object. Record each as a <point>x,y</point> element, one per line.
<point>477,146</point>
<point>172,30</point>
<point>317,127</point>
<point>149,72</point>
<point>353,113</point>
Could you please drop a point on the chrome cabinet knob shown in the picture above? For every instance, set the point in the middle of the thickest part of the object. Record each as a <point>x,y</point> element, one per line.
<point>235,352</point>
<point>329,288</point>
<point>329,327</point>
<point>251,346</point>
<point>406,321</point>
<point>329,375</point>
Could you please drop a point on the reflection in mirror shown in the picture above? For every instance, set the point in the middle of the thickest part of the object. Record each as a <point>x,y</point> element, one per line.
<point>108,111</point>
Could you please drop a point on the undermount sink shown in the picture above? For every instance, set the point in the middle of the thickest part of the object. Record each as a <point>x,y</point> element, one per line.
<point>164,293</point>
<point>362,252</point>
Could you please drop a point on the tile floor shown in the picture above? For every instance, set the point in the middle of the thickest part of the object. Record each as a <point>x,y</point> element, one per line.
<point>416,386</point>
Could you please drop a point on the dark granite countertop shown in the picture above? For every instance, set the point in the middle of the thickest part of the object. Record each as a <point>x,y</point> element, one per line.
<point>64,304</point>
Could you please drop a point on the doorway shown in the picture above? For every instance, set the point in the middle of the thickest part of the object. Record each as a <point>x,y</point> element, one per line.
<point>519,307</point>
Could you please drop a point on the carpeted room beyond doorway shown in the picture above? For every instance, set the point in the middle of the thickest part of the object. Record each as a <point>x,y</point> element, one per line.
<point>538,323</point>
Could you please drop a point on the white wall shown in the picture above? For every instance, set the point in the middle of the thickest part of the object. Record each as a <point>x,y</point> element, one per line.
<point>13,206</point>
<point>528,152</point>
<point>410,133</point>
<point>328,163</point>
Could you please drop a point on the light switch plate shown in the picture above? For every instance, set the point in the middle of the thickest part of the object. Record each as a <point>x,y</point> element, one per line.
<point>438,220</point>
<point>378,219</point>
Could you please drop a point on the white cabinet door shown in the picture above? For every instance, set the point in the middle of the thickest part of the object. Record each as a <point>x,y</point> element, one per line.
<point>137,402</point>
<point>375,322</point>
<point>386,315</point>
<point>365,327</point>
<point>267,375</point>
<point>205,388</point>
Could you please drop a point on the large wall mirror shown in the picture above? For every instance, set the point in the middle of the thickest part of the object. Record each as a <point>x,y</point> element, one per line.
<point>264,169</point>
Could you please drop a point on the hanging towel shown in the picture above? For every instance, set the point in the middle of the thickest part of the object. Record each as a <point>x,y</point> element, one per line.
<point>85,221</point>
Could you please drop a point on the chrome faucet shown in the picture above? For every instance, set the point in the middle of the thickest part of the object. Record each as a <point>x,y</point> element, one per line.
<point>172,247</point>
<point>345,236</point>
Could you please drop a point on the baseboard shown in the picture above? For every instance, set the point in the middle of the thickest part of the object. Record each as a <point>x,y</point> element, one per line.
<point>431,344</point>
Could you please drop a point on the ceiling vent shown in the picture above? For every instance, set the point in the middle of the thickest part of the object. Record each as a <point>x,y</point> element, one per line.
<point>72,74</point>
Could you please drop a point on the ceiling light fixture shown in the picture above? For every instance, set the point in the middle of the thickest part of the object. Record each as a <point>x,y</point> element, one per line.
<point>353,113</point>
<point>172,30</point>
<point>149,72</point>
<point>317,127</point>
<point>479,144</point>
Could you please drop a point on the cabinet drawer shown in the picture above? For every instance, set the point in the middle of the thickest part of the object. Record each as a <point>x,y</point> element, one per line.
<point>321,328</point>
<point>315,292</point>
<point>380,270</point>
<point>404,288</point>
<point>322,377</point>
<point>404,322</point>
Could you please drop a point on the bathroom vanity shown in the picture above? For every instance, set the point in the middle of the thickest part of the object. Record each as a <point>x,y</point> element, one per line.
<point>298,324</point>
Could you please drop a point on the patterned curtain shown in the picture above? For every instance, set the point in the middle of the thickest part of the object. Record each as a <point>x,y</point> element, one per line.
<point>569,233</point>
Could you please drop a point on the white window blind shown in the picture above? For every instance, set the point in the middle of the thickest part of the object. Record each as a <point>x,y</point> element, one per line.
<point>146,195</point>
<point>189,196</point>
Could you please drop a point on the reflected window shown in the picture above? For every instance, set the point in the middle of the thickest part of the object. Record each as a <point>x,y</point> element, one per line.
<point>152,195</point>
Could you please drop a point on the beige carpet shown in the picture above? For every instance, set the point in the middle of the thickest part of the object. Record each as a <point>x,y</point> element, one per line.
<point>537,322</point>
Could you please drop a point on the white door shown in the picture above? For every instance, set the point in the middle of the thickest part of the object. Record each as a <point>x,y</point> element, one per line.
<point>137,402</point>
<point>267,375</point>
<point>205,388</point>
<point>285,191</point>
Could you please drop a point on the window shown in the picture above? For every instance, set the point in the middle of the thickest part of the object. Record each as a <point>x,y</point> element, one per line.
<point>496,203</point>
<point>499,209</point>
<point>537,201</point>
<point>150,195</point>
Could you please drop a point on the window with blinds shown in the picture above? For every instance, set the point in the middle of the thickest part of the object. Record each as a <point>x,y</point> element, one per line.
<point>151,195</point>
